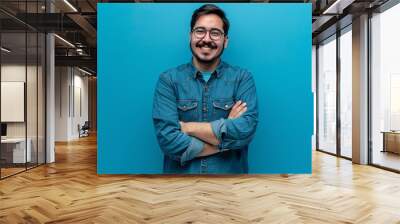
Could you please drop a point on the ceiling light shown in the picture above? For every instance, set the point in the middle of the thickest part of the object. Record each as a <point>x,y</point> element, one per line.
<point>70,5</point>
<point>84,71</point>
<point>64,40</point>
<point>337,7</point>
<point>5,50</point>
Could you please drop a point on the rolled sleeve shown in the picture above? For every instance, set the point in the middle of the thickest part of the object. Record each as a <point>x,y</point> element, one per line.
<point>237,133</point>
<point>194,148</point>
<point>172,141</point>
<point>218,127</point>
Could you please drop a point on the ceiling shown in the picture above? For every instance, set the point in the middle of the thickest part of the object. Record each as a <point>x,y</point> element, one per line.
<point>76,22</point>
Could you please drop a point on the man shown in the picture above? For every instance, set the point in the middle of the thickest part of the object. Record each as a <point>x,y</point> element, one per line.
<point>205,112</point>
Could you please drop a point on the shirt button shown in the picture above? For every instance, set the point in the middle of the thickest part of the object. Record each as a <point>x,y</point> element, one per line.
<point>226,105</point>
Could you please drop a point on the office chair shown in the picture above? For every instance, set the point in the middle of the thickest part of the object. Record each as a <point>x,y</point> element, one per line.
<point>84,130</point>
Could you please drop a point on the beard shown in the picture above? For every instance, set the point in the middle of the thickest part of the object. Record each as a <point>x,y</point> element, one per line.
<point>210,45</point>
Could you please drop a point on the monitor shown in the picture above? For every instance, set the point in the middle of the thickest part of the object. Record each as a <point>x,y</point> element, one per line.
<point>3,129</point>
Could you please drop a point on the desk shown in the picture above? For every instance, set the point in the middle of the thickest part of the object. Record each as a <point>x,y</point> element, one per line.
<point>15,148</point>
<point>391,141</point>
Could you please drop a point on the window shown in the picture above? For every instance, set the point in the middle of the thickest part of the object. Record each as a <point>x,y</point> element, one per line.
<point>385,88</point>
<point>346,75</point>
<point>327,95</point>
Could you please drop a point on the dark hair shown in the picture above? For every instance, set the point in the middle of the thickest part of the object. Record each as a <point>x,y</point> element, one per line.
<point>208,9</point>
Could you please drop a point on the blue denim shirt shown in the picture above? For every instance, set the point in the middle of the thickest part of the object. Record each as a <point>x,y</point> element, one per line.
<point>181,94</point>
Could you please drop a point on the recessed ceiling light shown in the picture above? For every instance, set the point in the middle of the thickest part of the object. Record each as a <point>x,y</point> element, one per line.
<point>5,50</point>
<point>337,7</point>
<point>70,5</point>
<point>84,71</point>
<point>64,40</point>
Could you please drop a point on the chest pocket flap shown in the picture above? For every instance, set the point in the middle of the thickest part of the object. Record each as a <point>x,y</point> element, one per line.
<point>186,105</point>
<point>224,104</point>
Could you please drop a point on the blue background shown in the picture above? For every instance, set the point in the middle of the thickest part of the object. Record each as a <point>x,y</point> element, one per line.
<point>136,42</point>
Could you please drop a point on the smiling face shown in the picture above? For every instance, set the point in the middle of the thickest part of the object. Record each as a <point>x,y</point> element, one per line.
<point>206,50</point>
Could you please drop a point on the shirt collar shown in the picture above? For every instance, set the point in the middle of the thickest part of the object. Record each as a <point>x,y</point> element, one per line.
<point>218,70</point>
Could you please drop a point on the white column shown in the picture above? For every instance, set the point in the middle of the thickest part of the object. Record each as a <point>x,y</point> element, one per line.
<point>50,99</point>
<point>360,90</point>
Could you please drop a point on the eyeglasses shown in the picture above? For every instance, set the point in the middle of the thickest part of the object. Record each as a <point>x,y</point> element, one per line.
<point>214,33</point>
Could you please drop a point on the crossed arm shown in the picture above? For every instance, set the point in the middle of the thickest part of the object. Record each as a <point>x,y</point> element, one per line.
<point>185,141</point>
<point>204,132</point>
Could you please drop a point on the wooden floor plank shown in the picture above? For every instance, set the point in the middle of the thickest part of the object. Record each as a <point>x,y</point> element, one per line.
<point>70,191</point>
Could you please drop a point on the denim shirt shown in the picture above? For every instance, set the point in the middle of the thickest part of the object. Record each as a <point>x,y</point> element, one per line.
<point>181,94</point>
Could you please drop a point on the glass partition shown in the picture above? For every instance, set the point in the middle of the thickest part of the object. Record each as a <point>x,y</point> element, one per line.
<point>22,77</point>
<point>327,95</point>
<point>14,152</point>
<point>31,100</point>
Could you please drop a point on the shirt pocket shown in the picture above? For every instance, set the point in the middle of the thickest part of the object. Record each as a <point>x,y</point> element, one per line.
<point>222,107</point>
<point>187,110</point>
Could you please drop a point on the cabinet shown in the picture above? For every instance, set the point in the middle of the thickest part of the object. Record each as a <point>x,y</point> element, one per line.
<point>391,141</point>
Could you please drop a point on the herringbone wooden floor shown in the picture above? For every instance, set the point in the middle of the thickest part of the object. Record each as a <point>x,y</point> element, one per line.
<point>70,191</point>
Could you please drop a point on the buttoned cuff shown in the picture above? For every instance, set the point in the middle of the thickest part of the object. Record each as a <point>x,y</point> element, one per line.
<point>194,148</point>
<point>219,129</point>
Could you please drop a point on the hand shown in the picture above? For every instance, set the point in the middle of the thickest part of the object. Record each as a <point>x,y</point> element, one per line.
<point>238,109</point>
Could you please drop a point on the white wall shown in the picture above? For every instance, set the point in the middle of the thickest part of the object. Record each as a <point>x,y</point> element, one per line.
<point>16,72</point>
<point>33,127</point>
<point>71,93</point>
<point>9,73</point>
<point>62,81</point>
<point>81,103</point>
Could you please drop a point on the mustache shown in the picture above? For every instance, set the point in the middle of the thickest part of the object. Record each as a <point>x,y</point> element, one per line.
<point>208,44</point>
